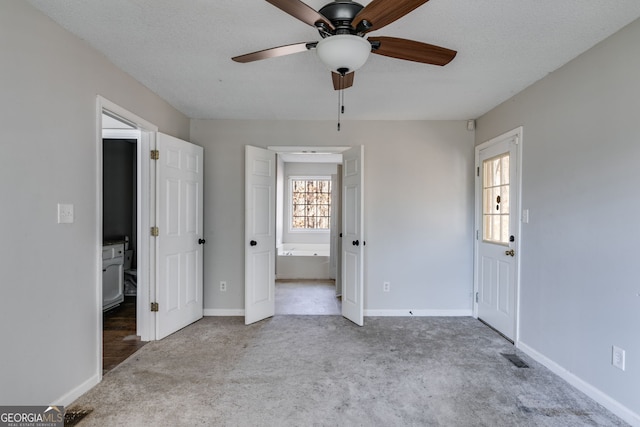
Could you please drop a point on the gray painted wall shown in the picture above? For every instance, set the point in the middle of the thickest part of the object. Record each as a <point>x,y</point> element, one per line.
<point>418,206</point>
<point>580,292</point>
<point>49,301</point>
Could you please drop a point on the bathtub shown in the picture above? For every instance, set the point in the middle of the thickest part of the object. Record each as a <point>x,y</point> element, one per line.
<point>303,261</point>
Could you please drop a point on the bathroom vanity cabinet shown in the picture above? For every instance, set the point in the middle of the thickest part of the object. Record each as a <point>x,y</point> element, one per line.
<point>112,274</point>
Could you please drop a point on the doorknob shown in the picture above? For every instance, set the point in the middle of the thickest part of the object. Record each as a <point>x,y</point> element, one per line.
<point>356,243</point>
<point>201,241</point>
<point>253,243</point>
<point>510,252</point>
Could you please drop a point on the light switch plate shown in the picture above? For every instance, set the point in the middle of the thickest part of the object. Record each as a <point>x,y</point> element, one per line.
<point>65,213</point>
<point>618,357</point>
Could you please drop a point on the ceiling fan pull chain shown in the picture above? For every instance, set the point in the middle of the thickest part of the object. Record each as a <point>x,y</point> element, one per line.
<point>340,100</point>
<point>339,110</point>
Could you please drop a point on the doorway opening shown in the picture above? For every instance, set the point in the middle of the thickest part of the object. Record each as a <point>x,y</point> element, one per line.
<point>260,231</point>
<point>124,198</point>
<point>308,222</point>
<point>119,247</point>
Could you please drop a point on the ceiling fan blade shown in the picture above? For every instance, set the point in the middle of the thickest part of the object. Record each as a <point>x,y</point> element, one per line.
<point>411,50</point>
<point>275,52</point>
<point>379,13</point>
<point>342,82</point>
<point>302,11</point>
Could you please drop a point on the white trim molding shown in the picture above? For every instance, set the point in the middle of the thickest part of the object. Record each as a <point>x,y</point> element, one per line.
<point>368,313</point>
<point>223,312</point>
<point>419,313</point>
<point>602,398</point>
<point>68,398</point>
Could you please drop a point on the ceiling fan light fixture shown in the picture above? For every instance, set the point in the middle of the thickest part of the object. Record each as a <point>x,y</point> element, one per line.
<point>343,52</point>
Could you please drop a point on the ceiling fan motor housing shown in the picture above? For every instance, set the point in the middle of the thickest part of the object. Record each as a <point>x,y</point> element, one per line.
<point>341,14</point>
<point>344,46</point>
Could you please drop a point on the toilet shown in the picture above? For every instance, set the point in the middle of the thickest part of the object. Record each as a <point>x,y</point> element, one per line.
<point>130,276</point>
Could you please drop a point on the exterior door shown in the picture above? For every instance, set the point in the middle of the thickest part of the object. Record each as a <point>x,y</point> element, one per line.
<point>353,235</point>
<point>498,232</point>
<point>179,248</point>
<point>260,236</point>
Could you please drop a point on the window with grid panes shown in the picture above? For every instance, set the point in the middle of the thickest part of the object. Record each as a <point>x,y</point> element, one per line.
<point>310,203</point>
<point>495,200</point>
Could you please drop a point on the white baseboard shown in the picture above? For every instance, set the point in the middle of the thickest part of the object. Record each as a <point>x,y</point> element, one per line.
<point>223,312</point>
<point>367,313</point>
<point>69,397</point>
<point>418,313</point>
<point>605,400</point>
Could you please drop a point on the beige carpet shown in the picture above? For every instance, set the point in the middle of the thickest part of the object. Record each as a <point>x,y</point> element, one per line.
<point>325,371</point>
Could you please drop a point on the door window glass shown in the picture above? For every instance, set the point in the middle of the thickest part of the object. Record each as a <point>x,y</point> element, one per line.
<point>495,199</point>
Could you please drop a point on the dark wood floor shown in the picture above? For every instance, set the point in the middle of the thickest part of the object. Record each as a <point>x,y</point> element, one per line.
<point>119,339</point>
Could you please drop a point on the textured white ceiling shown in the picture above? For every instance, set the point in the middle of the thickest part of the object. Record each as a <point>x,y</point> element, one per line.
<point>181,50</point>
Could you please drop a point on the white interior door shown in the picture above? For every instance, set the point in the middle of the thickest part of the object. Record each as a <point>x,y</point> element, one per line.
<point>336,230</point>
<point>260,239</point>
<point>353,235</point>
<point>180,211</point>
<point>498,233</point>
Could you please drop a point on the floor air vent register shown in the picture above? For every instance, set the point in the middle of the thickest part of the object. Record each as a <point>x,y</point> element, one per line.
<point>73,416</point>
<point>515,360</point>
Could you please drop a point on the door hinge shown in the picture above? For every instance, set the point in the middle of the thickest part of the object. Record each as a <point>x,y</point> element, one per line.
<point>155,231</point>
<point>477,170</point>
<point>477,234</point>
<point>154,306</point>
<point>155,154</point>
<point>477,296</point>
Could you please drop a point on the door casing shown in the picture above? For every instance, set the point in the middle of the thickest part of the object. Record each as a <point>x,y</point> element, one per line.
<point>335,151</point>
<point>146,211</point>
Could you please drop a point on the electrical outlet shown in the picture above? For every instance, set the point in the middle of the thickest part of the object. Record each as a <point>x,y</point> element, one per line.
<point>386,286</point>
<point>617,357</point>
<point>223,286</point>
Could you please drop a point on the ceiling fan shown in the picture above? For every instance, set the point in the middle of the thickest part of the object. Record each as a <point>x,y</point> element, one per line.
<point>343,26</point>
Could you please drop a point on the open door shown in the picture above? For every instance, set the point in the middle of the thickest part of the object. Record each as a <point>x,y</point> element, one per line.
<point>260,236</point>
<point>335,252</point>
<point>180,237</point>
<point>353,235</point>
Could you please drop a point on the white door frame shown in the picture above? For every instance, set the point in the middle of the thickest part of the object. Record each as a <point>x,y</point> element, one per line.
<point>517,132</point>
<point>307,151</point>
<point>146,211</point>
